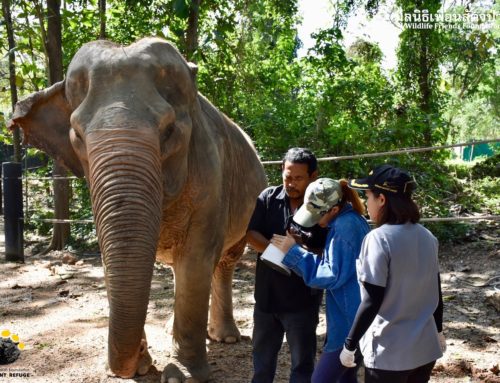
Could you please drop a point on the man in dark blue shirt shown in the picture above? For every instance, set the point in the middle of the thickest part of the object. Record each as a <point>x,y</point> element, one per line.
<point>283,303</point>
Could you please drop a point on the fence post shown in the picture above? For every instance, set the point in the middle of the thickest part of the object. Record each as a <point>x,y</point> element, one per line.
<point>13,211</point>
<point>1,193</point>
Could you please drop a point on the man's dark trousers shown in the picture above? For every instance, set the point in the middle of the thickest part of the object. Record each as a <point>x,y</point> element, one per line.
<point>269,329</point>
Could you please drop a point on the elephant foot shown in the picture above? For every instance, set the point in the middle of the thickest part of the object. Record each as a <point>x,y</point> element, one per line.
<point>144,363</point>
<point>176,373</point>
<point>225,333</point>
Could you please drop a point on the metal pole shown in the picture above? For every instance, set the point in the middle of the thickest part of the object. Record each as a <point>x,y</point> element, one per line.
<point>13,211</point>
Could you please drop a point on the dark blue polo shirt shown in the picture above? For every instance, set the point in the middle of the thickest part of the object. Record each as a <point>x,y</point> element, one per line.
<point>276,292</point>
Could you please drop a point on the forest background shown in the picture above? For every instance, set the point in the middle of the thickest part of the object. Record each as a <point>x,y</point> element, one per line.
<point>336,100</point>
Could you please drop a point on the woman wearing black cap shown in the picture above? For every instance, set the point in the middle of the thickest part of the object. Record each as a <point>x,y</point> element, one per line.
<point>399,323</point>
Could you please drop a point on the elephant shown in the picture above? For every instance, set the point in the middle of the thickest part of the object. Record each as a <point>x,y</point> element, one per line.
<point>171,179</point>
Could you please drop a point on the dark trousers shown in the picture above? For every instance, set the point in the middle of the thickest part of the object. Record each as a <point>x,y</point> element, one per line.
<point>330,370</point>
<point>268,331</point>
<point>420,374</point>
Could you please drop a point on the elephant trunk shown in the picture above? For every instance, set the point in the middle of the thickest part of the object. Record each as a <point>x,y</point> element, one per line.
<point>125,183</point>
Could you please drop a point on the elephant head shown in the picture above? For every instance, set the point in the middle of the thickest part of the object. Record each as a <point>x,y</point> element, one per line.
<point>122,119</point>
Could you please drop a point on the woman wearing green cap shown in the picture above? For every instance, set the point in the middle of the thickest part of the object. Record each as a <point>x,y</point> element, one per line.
<point>331,204</point>
<point>398,325</point>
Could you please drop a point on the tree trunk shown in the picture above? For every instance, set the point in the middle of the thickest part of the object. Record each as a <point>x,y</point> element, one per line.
<point>12,75</point>
<point>424,85</point>
<point>43,33</point>
<point>61,232</point>
<point>102,15</point>
<point>192,30</point>
<point>54,41</point>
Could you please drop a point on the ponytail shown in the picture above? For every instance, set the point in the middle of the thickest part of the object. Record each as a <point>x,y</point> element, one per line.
<point>351,196</point>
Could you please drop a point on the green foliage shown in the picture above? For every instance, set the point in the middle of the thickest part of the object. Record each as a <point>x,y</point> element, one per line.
<point>449,190</point>
<point>79,26</point>
<point>39,205</point>
<point>365,51</point>
<point>5,136</point>
<point>254,77</point>
<point>448,231</point>
<point>418,76</point>
<point>130,20</point>
<point>336,101</point>
<point>489,167</point>
<point>472,101</point>
<point>480,182</point>
<point>481,194</point>
<point>30,61</point>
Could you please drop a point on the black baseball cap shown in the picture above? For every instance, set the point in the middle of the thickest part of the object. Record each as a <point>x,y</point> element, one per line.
<point>385,178</point>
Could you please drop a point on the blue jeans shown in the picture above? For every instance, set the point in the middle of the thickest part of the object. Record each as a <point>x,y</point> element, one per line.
<point>330,370</point>
<point>267,338</point>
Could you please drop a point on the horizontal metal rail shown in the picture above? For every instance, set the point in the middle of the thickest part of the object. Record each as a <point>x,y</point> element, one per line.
<point>391,153</point>
<point>430,219</point>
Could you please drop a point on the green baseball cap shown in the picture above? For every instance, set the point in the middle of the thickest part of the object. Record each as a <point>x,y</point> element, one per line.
<point>320,196</point>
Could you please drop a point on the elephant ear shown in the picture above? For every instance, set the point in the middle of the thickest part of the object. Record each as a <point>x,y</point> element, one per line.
<point>44,118</point>
<point>193,68</point>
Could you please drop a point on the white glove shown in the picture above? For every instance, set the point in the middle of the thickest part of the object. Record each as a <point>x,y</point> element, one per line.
<point>442,342</point>
<point>347,357</point>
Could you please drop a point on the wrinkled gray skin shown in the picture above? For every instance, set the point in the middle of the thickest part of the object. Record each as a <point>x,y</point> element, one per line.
<point>170,177</point>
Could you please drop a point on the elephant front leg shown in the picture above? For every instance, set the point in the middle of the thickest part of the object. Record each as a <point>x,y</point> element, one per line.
<point>188,361</point>
<point>222,327</point>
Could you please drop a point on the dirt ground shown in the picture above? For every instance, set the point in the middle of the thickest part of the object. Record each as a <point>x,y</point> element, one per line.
<point>60,312</point>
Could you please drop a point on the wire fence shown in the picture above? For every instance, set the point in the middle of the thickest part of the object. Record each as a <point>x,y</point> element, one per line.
<point>393,152</point>
<point>478,218</point>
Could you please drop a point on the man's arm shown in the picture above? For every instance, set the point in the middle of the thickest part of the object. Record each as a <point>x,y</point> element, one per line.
<point>257,241</point>
<point>254,236</point>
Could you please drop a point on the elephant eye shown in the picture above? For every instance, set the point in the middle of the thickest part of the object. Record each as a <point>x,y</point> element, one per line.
<point>77,134</point>
<point>167,132</point>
